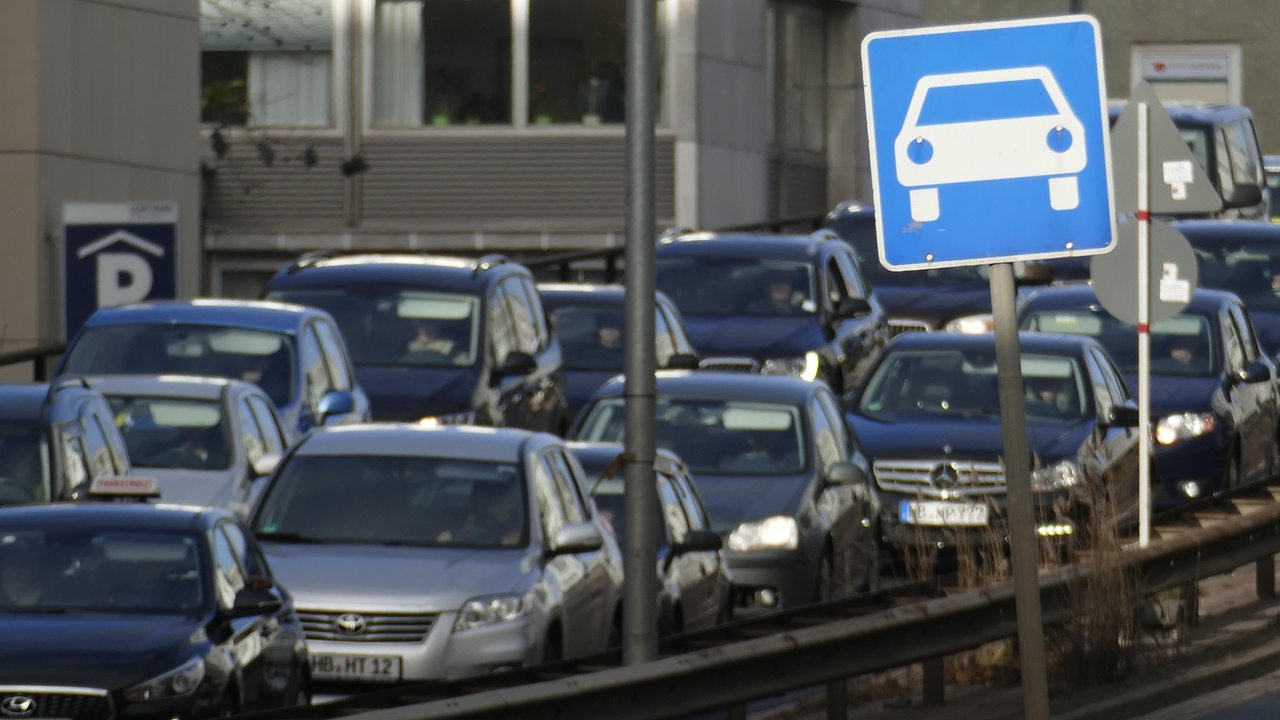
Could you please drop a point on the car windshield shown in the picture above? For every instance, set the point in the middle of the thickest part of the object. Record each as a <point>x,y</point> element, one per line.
<point>399,327</point>
<point>1181,345</point>
<point>163,432</point>
<point>395,500</point>
<point>590,336</point>
<point>738,286</point>
<point>715,436</point>
<point>923,384</point>
<point>1250,270</point>
<point>85,569</point>
<point>24,466</point>
<point>260,356</point>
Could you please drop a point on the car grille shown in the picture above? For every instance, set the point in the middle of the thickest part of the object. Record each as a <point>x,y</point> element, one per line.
<point>940,478</point>
<point>897,326</point>
<point>326,625</point>
<point>56,702</point>
<point>730,364</point>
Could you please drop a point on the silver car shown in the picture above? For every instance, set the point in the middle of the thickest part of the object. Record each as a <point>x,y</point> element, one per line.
<point>424,553</point>
<point>208,441</point>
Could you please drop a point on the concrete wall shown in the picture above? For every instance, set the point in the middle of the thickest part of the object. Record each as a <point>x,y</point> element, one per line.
<point>101,105</point>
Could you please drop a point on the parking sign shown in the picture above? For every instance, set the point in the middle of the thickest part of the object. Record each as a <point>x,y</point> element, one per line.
<point>989,142</point>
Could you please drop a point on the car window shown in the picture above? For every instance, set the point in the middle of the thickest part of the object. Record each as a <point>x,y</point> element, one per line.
<point>567,487</point>
<point>171,432</point>
<point>729,286</point>
<point>591,336</point>
<point>228,575</point>
<point>550,512</point>
<point>825,441</point>
<point>24,466</point>
<point>1242,151</point>
<point>851,270</point>
<point>673,513</point>
<point>314,367</point>
<point>502,332</point>
<point>248,554</point>
<point>1232,345</point>
<point>835,419</point>
<point>1108,387</point>
<point>664,343</point>
<point>334,357</point>
<point>522,315</point>
<point>274,436</point>
<point>95,444</point>
<point>837,290</point>
<point>74,466</point>
<point>538,313</point>
<point>693,508</point>
<point>251,435</point>
<point>1244,326</point>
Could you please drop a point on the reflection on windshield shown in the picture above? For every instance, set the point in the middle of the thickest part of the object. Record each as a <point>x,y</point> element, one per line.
<point>24,466</point>
<point>953,383</point>
<point>172,432</point>
<point>1250,271</point>
<point>259,356</point>
<point>716,437</point>
<point>734,286</point>
<point>1181,345</point>
<point>591,336</point>
<point>399,327</point>
<point>396,500</point>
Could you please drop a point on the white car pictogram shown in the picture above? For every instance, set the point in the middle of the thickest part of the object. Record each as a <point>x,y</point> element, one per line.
<point>939,150</point>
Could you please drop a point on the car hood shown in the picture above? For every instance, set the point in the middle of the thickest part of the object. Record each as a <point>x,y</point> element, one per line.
<point>1173,394</point>
<point>401,578</point>
<point>969,438</point>
<point>759,337</point>
<point>732,499</point>
<point>192,487</point>
<point>936,303</point>
<point>112,651</point>
<point>400,394</point>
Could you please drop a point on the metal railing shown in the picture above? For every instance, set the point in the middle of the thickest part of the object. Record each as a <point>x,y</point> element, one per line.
<point>39,356</point>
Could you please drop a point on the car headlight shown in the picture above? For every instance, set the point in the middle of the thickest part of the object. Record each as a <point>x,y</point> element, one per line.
<point>802,367</point>
<point>1175,428</point>
<point>490,610</point>
<point>971,324</point>
<point>179,682</point>
<point>460,418</point>
<point>779,532</point>
<point>1058,476</point>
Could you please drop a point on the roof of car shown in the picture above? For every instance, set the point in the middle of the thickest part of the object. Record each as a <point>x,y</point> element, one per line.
<point>1072,295</point>
<point>462,442</point>
<point>1033,342</point>
<point>123,515</point>
<point>436,272</point>
<point>586,294</point>
<point>22,402</point>
<point>178,386</point>
<point>255,314</point>
<point>1206,232</point>
<point>744,244</point>
<point>712,385</point>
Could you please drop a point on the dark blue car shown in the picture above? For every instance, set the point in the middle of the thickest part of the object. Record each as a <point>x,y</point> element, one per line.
<point>775,304</point>
<point>928,418</point>
<point>140,611</point>
<point>1243,257</point>
<point>1214,398</point>
<point>296,354</point>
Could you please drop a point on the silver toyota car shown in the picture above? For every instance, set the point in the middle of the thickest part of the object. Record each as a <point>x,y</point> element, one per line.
<point>424,553</point>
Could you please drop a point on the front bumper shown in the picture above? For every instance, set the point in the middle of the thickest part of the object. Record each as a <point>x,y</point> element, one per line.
<point>770,580</point>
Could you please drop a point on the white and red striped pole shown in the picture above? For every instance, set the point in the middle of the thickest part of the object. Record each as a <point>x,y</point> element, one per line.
<point>1144,332</point>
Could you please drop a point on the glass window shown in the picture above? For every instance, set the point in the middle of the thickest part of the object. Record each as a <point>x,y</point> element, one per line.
<point>314,367</point>
<point>727,286</point>
<point>796,57</point>
<point>1242,150</point>
<point>672,510</point>
<point>664,343</point>
<point>567,486</point>
<point>502,332</point>
<point>167,432</point>
<point>521,316</point>
<point>73,462</point>
<point>250,432</point>
<point>549,510</point>
<point>334,357</point>
<point>826,443</point>
<point>273,434</point>
<point>228,576</point>
<point>266,62</point>
<point>577,52</point>
<point>24,466</point>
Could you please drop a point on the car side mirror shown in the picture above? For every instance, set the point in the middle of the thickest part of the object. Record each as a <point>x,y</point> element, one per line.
<point>265,464</point>
<point>682,361</point>
<point>255,598</point>
<point>1123,415</point>
<point>694,541</point>
<point>517,362</point>
<point>851,307</point>
<point>576,538</point>
<point>1254,372</point>
<point>334,402</point>
<point>1242,196</point>
<point>846,473</point>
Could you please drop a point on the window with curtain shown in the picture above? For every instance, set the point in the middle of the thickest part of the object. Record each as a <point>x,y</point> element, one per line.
<point>267,62</point>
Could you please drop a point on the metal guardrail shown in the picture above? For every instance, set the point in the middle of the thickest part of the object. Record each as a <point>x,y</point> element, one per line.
<point>728,676</point>
<point>38,355</point>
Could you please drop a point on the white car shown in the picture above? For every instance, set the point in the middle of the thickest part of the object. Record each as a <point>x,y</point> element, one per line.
<point>208,441</point>
<point>989,125</point>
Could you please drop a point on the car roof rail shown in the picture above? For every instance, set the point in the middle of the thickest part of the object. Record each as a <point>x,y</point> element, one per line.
<point>311,258</point>
<point>487,261</point>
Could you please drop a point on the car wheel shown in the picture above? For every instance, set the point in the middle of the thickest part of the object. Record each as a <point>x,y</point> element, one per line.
<point>822,584</point>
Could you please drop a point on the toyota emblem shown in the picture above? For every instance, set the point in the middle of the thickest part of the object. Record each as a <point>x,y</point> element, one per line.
<point>17,706</point>
<point>350,624</point>
<point>945,476</point>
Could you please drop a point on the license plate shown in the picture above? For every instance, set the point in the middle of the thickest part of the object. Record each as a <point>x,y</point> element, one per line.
<point>356,668</point>
<point>943,513</point>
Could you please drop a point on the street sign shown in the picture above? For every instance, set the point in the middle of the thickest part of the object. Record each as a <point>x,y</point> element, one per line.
<point>114,254</point>
<point>989,142</point>
<point>1173,272</point>
<point>1177,182</point>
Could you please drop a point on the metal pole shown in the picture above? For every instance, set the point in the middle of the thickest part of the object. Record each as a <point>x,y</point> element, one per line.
<point>639,613</point>
<point>1023,543</point>
<point>1075,7</point>
<point>1144,333</point>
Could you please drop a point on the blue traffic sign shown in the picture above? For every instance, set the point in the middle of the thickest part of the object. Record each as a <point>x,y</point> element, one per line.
<point>989,142</point>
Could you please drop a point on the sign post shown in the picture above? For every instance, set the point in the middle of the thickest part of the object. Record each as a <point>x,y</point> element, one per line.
<point>989,144</point>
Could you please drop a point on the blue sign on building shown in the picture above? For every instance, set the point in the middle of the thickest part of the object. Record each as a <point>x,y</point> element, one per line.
<point>114,254</point>
<point>989,142</point>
